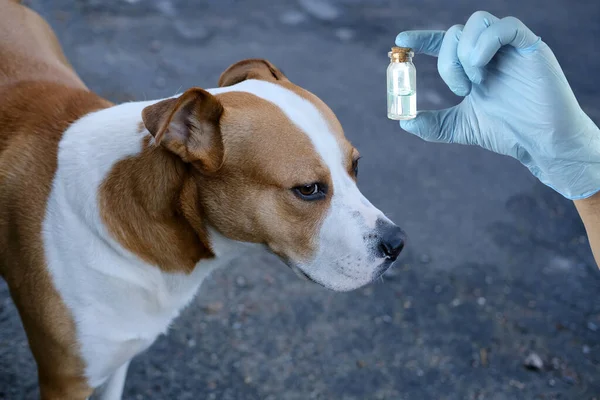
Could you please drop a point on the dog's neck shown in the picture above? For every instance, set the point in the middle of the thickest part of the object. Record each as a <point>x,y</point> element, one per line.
<point>131,192</point>
<point>149,202</point>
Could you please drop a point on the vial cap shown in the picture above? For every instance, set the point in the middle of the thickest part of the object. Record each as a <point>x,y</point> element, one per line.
<point>401,54</point>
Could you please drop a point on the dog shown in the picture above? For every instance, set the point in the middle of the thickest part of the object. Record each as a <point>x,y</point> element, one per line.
<point>111,216</point>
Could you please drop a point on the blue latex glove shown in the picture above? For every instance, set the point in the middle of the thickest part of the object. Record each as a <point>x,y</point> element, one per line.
<point>517,101</point>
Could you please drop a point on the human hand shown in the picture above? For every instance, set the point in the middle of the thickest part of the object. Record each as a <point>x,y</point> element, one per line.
<point>517,101</point>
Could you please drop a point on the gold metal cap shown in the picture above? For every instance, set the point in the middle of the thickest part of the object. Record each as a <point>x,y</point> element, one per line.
<point>401,54</point>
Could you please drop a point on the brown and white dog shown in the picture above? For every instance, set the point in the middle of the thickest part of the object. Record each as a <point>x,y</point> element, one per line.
<point>111,216</point>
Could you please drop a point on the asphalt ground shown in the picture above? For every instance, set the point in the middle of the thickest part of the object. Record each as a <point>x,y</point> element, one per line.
<point>497,265</point>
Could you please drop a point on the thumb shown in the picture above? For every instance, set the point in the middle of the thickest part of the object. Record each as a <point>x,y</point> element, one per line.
<point>433,126</point>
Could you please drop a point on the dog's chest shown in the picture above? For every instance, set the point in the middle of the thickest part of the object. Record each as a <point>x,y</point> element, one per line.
<point>119,304</point>
<point>132,321</point>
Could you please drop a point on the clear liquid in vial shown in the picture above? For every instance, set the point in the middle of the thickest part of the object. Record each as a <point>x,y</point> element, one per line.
<point>402,104</point>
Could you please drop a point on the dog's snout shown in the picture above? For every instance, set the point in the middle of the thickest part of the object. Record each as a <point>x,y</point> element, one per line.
<point>392,242</point>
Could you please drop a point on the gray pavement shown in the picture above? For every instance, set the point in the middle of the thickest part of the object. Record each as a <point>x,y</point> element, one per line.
<point>497,265</point>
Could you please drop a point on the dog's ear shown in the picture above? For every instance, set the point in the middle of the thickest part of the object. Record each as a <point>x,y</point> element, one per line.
<point>189,126</point>
<point>251,69</point>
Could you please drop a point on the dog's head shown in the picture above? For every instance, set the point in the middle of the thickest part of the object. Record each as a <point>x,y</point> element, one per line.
<point>273,167</point>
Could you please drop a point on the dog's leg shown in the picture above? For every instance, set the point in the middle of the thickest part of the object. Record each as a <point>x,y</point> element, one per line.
<point>112,389</point>
<point>60,369</point>
<point>72,389</point>
<point>52,340</point>
<point>59,375</point>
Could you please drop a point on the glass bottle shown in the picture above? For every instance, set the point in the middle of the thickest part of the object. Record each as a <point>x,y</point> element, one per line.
<point>401,84</point>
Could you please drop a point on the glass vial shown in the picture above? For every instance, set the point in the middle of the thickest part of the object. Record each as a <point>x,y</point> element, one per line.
<point>401,84</point>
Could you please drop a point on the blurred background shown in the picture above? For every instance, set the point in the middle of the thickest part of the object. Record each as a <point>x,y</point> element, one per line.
<point>497,268</point>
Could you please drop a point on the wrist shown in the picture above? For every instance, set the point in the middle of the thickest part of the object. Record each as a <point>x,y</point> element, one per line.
<point>573,170</point>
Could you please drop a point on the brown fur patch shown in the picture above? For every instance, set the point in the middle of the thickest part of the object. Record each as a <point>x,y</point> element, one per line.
<point>29,49</point>
<point>149,204</point>
<point>266,155</point>
<point>250,69</point>
<point>33,117</point>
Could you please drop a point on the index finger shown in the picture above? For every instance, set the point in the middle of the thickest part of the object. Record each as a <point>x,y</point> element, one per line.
<point>421,42</point>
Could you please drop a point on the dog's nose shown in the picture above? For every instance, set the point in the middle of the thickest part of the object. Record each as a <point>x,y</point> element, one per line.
<point>392,242</point>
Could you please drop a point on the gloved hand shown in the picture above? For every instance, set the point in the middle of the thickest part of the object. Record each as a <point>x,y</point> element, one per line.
<point>517,101</point>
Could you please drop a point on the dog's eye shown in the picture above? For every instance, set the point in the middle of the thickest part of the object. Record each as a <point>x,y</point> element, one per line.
<point>313,191</point>
<point>355,167</point>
